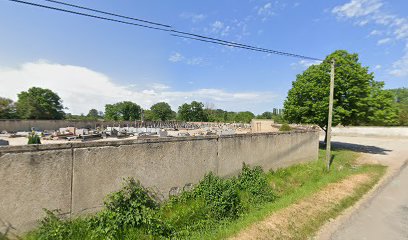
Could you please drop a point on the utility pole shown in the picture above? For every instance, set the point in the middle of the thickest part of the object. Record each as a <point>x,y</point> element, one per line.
<point>329,124</point>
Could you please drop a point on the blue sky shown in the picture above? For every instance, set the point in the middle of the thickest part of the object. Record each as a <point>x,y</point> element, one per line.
<point>91,62</point>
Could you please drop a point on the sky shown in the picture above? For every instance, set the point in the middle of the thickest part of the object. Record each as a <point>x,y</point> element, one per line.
<point>90,62</point>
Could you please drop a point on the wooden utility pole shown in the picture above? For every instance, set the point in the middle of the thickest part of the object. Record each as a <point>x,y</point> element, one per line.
<point>329,124</point>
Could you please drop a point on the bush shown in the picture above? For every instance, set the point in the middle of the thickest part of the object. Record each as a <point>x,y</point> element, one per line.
<point>134,213</point>
<point>285,127</point>
<point>255,182</point>
<point>34,139</point>
<point>221,195</point>
<point>131,207</point>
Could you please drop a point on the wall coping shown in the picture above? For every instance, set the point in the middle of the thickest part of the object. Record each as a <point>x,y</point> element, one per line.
<point>91,144</point>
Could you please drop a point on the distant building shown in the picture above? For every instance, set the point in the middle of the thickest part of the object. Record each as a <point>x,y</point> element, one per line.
<point>263,125</point>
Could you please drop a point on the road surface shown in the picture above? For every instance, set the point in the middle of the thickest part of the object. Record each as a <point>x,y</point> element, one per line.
<point>384,215</point>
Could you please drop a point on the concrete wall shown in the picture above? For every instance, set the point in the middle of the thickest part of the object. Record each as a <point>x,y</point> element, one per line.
<point>371,131</point>
<point>75,177</point>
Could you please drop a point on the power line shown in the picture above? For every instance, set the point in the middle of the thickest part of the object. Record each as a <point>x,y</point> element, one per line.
<point>87,15</point>
<point>108,13</point>
<point>192,36</point>
<point>239,45</point>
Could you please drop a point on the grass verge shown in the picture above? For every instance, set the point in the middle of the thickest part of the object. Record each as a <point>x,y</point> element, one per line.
<point>216,208</point>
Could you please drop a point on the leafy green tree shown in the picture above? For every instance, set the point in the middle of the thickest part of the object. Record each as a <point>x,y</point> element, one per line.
<point>7,108</point>
<point>265,115</point>
<point>125,111</point>
<point>193,112</point>
<point>93,114</point>
<point>244,117</point>
<point>161,111</point>
<point>148,115</point>
<point>39,103</point>
<point>401,100</point>
<point>358,98</point>
<point>216,115</point>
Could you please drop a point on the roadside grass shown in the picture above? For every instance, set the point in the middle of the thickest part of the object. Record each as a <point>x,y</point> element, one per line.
<point>297,182</point>
<point>216,208</point>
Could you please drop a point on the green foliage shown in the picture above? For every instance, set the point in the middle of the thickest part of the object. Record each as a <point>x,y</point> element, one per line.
<point>285,127</point>
<point>161,111</point>
<point>52,227</point>
<point>39,103</point>
<point>193,112</point>
<point>126,111</point>
<point>401,101</point>
<point>148,115</point>
<point>221,195</point>
<point>33,138</point>
<point>134,213</point>
<point>358,98</point>
<point>131,207</point>
<point>244,117</point>
<point>93,114</point>
<point>255,182</point>
<point>7,108</point>
<point>265,115</point>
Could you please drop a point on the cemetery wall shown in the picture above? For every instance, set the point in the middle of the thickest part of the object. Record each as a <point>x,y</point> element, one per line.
<point>398,132</point>
<point>75,177</point>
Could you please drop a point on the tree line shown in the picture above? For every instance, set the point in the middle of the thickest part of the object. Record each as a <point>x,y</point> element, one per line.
<point>40,103</point>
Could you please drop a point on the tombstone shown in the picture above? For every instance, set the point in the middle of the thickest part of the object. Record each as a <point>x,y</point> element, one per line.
<point>4,142</point>
<point>174,191</point>
<point>188,187</point>
<point>163,133</point>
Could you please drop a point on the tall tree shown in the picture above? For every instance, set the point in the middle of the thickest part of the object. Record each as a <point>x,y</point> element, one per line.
<point>126,111</point>
<point>93,114</point>
<point>161,111</point>
<point>244,117</point>
<point>193,112</point>
<point>401,100</point>
<point>358,98</point>
<point>39,103</point>
<point>265,115</point>
<point>7,108</point>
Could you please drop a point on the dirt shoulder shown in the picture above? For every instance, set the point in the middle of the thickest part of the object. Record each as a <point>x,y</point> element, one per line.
<point>290,222</point>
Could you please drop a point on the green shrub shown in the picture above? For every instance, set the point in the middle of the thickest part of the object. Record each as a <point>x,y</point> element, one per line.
<point>52,227</point>
<point>255,182</point>
<point>221,195</point>
<point>285,127</point>
<point>134,213</point>
<point>34,139</point>
<point>131,207</point>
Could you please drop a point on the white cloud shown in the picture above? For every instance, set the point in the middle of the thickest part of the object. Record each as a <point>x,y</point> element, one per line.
<point>383,41</point>
<point>375,33</point>
<point>357,8</point>
<point>219,27</point>
<point>195,61</point>
<point>176,57</point>
<point>400,67</point>
<point>194,17</point>
<point>82,89</point>
<point>303,64</point>
<point>377,67</point>
<point>371,11</point>
<point>179,58</point>
<point>266,10</point>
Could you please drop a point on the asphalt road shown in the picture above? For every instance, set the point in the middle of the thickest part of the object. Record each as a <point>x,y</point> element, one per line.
<point>385,214</point>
